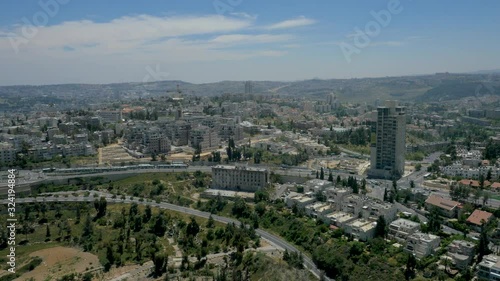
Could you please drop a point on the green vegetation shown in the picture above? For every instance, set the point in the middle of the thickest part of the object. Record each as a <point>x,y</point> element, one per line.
<point>127,234</point>
<point>415,156</point>
<point>356,148</point>
<point>176,188</point>
<point>338,255</point>
<point>28,266</point>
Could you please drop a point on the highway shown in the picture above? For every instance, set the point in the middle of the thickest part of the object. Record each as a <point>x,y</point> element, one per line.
<point>67,197</point>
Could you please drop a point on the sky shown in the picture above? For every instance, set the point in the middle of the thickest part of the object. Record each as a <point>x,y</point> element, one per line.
<point>198,41</point>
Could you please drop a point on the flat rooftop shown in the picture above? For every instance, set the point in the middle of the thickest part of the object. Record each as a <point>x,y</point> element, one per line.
<point>243,168</point>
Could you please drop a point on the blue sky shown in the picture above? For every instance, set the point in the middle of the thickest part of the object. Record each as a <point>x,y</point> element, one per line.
<point>97,41</point>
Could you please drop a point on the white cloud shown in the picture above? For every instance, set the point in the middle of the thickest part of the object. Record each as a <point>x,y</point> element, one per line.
<point>244,15</point>
<point>146,37</point>
<point>120,49</point>
<point>126,32</point>
<point>297,22</point>
<point>250,38</point>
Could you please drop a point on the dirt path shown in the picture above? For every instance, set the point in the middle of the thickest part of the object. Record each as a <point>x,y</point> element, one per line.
<point>140,273</point>
<point>99,156</point>
<point>59,261</point>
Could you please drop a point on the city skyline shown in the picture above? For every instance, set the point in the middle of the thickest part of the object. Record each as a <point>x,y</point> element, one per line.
<point>77,42</point>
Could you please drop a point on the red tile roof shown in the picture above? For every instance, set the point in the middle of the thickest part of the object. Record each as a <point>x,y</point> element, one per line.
<point>478,216</point>
<point>441,202</point>
<point>474,183</point>
<point>495,185</point>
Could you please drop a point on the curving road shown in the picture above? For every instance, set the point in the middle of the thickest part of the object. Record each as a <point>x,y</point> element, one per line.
<point>67,197</point>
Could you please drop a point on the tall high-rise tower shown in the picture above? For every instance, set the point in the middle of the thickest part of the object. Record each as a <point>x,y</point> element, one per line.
<point>332,101</point>
<point>388,142</point>
<point>248,87</point>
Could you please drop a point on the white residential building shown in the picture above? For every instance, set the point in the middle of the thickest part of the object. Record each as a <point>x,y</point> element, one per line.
<point>422,244</point>
<point>299,200</point>
<point>489,268</point>
<point>111,116</point>
<point>239,177</point>
<point>459,170</point>
<point>7,154</point>
<point>361,229</point>
<point>340,219</point>
<point>400,229</point>
<point>461,252</point>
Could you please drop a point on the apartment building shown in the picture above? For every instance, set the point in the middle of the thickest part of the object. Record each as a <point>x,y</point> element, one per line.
<point>239,178</point>
<point>110,116</point>
<point>489,268</point>
<point>388,150</point>
<point>447,207</point>
<point>400,229</point>
<point>361,229</point>
<point>461,252</point>
<point>422,244</point>
<point>203,137</point>
<point>7,154</point>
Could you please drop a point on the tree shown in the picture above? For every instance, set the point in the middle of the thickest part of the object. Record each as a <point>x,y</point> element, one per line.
<point>110,257</point>
<point>363,184</point>
<point>412,184</point>
<point>434,223</point>
<point>240,209</point>
<point>486,197</point>
<point>488,175</point>
<point>330,177</point>
<point>460,192</point>
<point>322,174</point>
<point>100,206</point>
<point>411,263</point>
<point>380,228</point>
<point>78,214</point>
<point>87,228</point>
<point>418,167</point>
<point>47,232</point>
<point>320,196</point>
<point>192,228</point>
<point>210,222</point>
<point>147,214</point>
<point>294,259</point>
<point>317,174</point>
<point>160,225</point>
<point>260,196</point>
<point>482,248</point>
<point>477,194</point>
<point>395,193</point>
<point>160,264</point>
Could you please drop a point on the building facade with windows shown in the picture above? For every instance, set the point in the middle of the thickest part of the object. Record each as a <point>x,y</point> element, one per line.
<point>239,178</point>
<point>388,142</point>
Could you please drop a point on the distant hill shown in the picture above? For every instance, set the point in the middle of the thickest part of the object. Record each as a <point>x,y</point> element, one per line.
<point>491,71</point>
<point>421,88</point>
<point>458,90</point>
